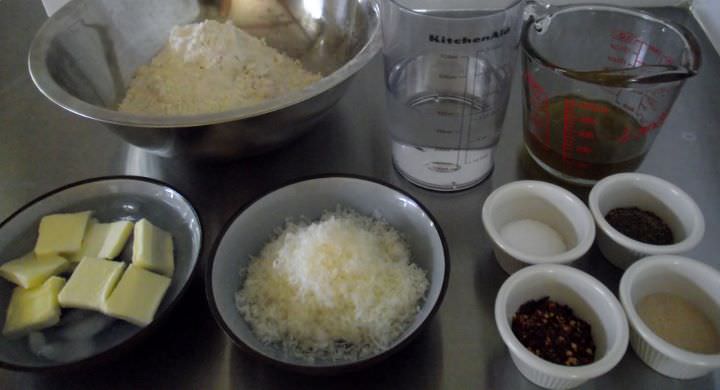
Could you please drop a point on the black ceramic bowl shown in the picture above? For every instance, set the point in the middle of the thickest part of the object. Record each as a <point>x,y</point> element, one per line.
<point>84,336</point>
<point>252,227</point>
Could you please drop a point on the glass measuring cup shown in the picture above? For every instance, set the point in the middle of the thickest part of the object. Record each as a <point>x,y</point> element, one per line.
<point>448,70</point>
<point>599,82</point>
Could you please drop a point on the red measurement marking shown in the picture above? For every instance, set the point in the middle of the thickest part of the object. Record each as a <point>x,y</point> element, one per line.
<point>619,47</point>
<point>622,36</point>
<point>592,107</point>
<point>629,38</point>
<point>587,120</point>
<point>583,149</point>
<point>644,130</point>
<point>546,111</point>
<point>534,85</point>
<point>586,134</point>
<point>568,142</point>
<point>625,137</point>
<point>582,165</point>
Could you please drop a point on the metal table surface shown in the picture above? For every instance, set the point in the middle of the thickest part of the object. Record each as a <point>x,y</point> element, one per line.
<point>43,147</point>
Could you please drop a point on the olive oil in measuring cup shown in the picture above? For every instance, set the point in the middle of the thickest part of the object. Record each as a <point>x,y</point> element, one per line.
<point>595,102</point>
<point>586,139</point>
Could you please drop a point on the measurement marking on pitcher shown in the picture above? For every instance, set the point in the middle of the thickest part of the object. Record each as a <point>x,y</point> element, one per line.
<point>580,119</point>
<point>462,114</point>
<point>586,134</point>
<point>568,129</point>
<point>626,44</point>
<point>442,167</point>
<point>468,133</point>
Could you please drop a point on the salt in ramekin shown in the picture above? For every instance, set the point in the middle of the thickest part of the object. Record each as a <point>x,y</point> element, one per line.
<point>544,202</point>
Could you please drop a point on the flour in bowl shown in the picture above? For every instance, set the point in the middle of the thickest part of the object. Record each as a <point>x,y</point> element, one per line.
<point>211,67</point>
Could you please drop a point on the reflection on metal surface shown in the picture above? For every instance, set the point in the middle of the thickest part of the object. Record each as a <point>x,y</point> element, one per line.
<point>304,29</point>
<point>314,7</point>
<point>419,367</point>
<point>139,162</point>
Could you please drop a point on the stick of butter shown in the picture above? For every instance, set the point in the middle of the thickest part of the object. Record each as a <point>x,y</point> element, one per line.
<point>137,296</point>
<point>103,240</point>
<point>34,308</point>
<point>91,283</point>
<point>153,248</point>
<point>31,271</point>
<point>61,233</point>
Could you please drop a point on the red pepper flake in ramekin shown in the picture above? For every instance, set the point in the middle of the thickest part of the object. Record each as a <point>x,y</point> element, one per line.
<point>551,331</point>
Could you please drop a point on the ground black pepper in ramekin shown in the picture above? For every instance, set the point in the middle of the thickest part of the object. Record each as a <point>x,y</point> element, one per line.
<point>552,331</point>
<point>640,225</point>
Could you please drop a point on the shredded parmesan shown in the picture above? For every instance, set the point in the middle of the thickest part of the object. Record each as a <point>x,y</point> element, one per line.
<point>339,288</point>
<point>211,67</point>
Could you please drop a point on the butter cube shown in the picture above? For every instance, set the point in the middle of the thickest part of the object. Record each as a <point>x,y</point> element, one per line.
<point>153,248</point>
<point>34,308</point>
<point>137,296</point>
<point>91,283</point>
<point>104,240</point>
<point>61,233</point>
<point>31,271</point>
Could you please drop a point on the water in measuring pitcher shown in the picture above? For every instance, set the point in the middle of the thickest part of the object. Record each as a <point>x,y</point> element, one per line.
<point>445,114</point>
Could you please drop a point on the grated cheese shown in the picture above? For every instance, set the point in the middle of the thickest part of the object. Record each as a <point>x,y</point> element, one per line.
<point>340,288</point>
<point>211,67</point>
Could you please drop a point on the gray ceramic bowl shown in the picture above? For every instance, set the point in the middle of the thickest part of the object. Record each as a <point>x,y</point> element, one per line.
<point>110,198</point>
<point>85,55</point>
<point>252,227</point>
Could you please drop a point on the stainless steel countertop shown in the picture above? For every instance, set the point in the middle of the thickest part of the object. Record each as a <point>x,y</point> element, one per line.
<point>43,147</point>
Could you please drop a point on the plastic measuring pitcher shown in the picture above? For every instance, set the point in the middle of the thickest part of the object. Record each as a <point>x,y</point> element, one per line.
<point>448,68</point>
<point>599,82</point>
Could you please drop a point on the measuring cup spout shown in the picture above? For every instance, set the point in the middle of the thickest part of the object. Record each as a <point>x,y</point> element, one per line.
<point>687,66</point>
<point>633,58</point>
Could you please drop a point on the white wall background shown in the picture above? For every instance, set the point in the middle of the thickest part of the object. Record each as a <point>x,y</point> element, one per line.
<point>707,13</point>
<point>629,3</point>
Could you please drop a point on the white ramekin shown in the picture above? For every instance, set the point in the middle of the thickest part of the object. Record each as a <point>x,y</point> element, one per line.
<point>692,280</point>
<point>589,299</point>
<point>543,202</point>
<point>650,193</point>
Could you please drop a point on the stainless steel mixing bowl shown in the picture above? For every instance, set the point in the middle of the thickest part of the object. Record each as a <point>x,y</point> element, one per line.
<point>85,55</point>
